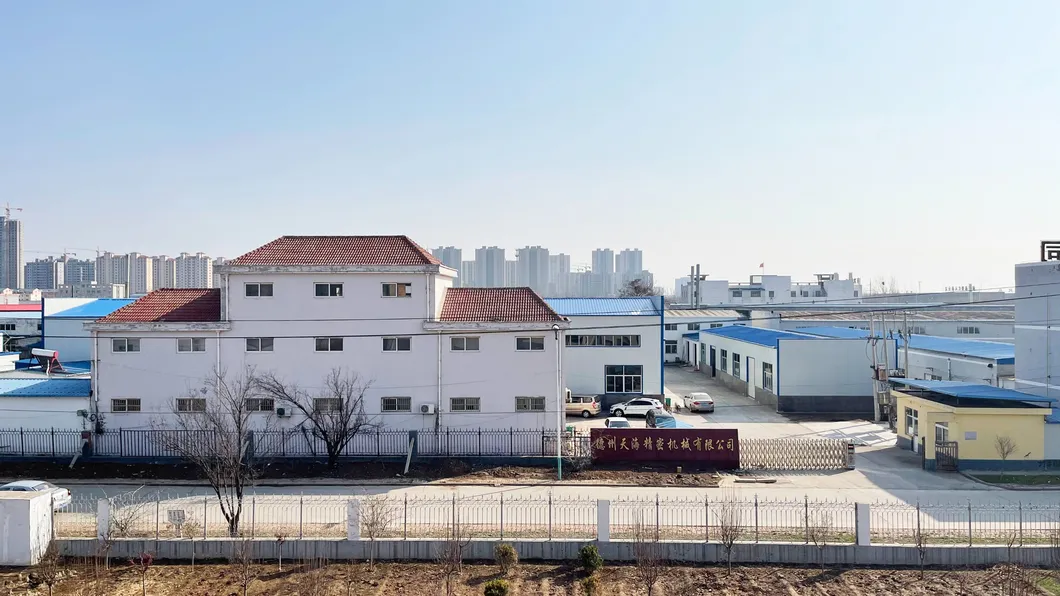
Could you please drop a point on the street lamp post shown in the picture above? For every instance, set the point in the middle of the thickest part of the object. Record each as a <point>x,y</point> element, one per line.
<point>559,406</point>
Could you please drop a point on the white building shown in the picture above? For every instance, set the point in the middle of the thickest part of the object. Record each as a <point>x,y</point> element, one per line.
<point>796,373</point>
<point>629,265</point>
<point>773,289</point>
<point>300,307</point>
<point>36,402</point>
<point>64,325</point>
<point>613,347</point>
<point>985,323</point>
<point>532,268</point>
<point>604,271</point>
<point>91,290</point>
<point>194,270</point>
<point>679,323</point>
<point>490,269</point>
<point>164,272</point>
<point>559,275</point>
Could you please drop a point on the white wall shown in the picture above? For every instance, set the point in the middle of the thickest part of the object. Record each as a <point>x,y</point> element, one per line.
<point>69,338</point>
<point>923,364</point>
<point>54,305</point>
<point>583,366</point>
<point>59,413</point>
<point>682,322</point>
<point>1003,331</point>
<point>744,349</point>
<point>827,367</point>
<point>1052,441</point>
<point>25,527</point>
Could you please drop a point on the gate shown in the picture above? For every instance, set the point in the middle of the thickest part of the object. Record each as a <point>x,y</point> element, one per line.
<point>946,456</point>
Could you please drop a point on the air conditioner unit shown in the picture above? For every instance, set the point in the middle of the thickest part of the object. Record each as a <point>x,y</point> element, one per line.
<point>426,408</point>
<point>283,413</point>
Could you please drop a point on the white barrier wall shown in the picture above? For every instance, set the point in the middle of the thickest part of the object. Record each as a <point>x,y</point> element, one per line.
<point>25,527</point>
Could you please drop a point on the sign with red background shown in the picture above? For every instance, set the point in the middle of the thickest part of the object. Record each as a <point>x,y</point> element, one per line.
<point>719,448</point>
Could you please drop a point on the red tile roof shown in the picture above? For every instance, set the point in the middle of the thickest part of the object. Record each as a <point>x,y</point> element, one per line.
<point>338,250</point>
<point>171,306</point>
<point>501,305</point>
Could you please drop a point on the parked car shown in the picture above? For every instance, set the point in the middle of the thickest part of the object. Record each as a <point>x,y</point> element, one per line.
<point>61,496</point>
<point>636,407</point>
<point>617,423</point>
<point>699,402</point>
<point>585,406</point>
<point>662,419</point>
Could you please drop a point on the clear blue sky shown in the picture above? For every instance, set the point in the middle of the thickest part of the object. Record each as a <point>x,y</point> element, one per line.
<point>919,140</point>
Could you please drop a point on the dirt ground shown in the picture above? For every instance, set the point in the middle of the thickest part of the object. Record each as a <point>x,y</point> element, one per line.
<point>449,470</point>
<point>423,579</point>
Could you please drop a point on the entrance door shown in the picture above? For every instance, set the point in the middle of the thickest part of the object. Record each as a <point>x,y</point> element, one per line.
<point>752,374</point>
<point>713,362</point>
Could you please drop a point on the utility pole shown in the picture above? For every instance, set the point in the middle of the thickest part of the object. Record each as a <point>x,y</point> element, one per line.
<point>875,369</point>
<point>694,276</point>
<point>905,336</point>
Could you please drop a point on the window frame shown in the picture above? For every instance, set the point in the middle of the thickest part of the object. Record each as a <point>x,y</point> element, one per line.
<point>716,325</point>
<point>259,285</point>
<point>695,326</point>
<point>398,285</point>
<point>767,376</point>
<point>756,293</point>
<point>670,327</point>
<point>259,402</point>
<point>464,401</point>
<point>397,409</point>
<point>330,288</point>
<point>463,340</point>
<point>335,404</point>
<point>191,346</point>
<point>127,402</point>
<point>198,405</point>
<point>397,343</point>
<point>128,343</point>
<point>912,422</point>
<point>670,343</point>
<point>737,293</point>
<point>331,344</point>
<point>626,375</point>
<point>530,341</point>
<point>260,348</point>
<point>725,360</point>
<point>528,403</point>
<point>736,365</point>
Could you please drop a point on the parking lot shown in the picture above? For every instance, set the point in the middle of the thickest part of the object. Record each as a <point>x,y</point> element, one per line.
<point>752,419</point>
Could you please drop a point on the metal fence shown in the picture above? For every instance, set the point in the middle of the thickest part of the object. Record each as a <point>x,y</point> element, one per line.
<point>499,516</point>
<point>771,454</point>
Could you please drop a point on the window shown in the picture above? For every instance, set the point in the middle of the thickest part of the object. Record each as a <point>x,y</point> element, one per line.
<point>396,290</point>
<point>736,365</point>
<point>725,360</point>
<point>258,290</point>
<point>125,405</point>
<point>329,344</point>
<point>817,294</point>
<point>737,293</point>
<point>260,404</point>
<point>917,329</point>
<point>771,294</point>
<point>464,404</point>
<point>529,404</point>
<point>715,325</point>
<point>794,293</point>
<point>756,293</point>
<point>942,432</point>
<point>122,344</point>
<point>329,290</point>
<point>671,346</point>
<point>191,344</point>
<point>671,326</point>
<point>693,326</point>
<point>912,422</point>
<point>767,376</point>
<point>805,294</point>
<point>259,344</point>
<point>191,404</point>
<point>530,344</point>
<point>463,344</point>
<point>7,326</point>
<point>397,344</point>
<point>855,293</point>
<point>967,331</point>
<point>397,404</point>
<point>607,341</point>
<point>623,378</point>
<point>327,404</point>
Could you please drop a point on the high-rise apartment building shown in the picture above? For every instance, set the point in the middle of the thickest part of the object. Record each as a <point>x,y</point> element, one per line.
<point>467,274</point>
<point>511,273</point>
<point>112,268</point>
<point>489,267</point>
<point>80,271</point>
<point>559,275</point>
<point>164,272</point>
<point>603,283</point>
<point>629,265</point>
<point>45,274</point>
<point>194,270</point>
<point>141,273</point>
<point>532,269</point>
<point>217,276</point>
<point>451,257</point>
<point>12,274</point>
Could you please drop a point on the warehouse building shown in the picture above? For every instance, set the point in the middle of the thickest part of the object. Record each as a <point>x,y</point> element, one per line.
<point>980,322</point>
<point>797,373</point>
<point>64,328</point>
<point>681,328</point>
<point>614,346</point>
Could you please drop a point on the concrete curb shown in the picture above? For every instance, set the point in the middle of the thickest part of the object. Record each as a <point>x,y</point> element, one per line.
<point>332,482</point>
<point>1015,488</point>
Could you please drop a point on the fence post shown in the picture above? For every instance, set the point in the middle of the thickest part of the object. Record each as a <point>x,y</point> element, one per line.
<point>511,441</point>
<point>480,441</point>
<point>158,516</point>
<point>102,519</point>
<point>405,518</point>
<point>969,522</point>
<point>502,516</point>
<point>756,518</point>
<point>204,517</point>
<point>121,443</point>
<point>706,518</point>
<point>550,515</point>
<point>22,440</point>
<point>603,520</point>
<point>1021,523</point>
<point>253,515</point>
<point>53,441</point>
<point>862,524</point>
<point>806,518</point>
<point>353,520</point>
<point>656,517</point>
<point>301,509</point>
<point>543,450</point>
<point>378,443</point>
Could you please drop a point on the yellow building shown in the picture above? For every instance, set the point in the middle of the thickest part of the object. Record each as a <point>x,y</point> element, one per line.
<point>975,427</point>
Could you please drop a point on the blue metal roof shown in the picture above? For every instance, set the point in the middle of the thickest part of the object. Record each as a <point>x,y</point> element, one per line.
<point>692,335</point>
<point>91,310</point>
<point>1000,352</point>
<point>45,387</point>
<point>647,306</point>
<point>755,335</point>
<point>964,390</point>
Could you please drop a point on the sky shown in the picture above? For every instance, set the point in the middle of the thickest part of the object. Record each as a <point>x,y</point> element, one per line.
<point>918,141</point>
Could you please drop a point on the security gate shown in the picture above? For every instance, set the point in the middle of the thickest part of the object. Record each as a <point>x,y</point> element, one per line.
<point>946,456</point>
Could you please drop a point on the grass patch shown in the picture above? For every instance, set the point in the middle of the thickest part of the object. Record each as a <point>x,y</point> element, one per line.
<point>1021,479</point>
<point>1050,585</point>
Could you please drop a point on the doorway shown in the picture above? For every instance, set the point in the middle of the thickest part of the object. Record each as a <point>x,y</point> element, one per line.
<point>752,374</point>
<point>713,363</point>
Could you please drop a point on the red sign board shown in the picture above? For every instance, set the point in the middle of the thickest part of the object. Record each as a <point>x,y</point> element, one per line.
<point>715,447</point>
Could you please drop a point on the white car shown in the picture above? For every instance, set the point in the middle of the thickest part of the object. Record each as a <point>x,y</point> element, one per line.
<point>617,423</point>
<point>61,496</point>
<point>699,402</point>
<point>636,407</point>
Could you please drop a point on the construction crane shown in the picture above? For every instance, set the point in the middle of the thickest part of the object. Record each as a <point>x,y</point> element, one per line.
<point>8,209</point>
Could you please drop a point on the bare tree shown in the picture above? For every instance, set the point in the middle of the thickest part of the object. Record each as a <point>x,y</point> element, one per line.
<point>334,415</point>
<point>451,555</point>
<point>819,531</point>
<point>214,437</point>
<point>281,537</point>
<point>727,519</point>
<point>314,580</point>
<point>377,513</point>
<point>127,510</point>
<point>1005,447</point>
<point>349,576</point>
<point>920,540</point>
<point>637,287</point>
<point>649,565</point>
<point>49,570</point>
<point>143,563</point>
<point>243,563</point>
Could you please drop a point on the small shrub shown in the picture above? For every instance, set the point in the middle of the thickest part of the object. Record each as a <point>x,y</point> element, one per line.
<point>591,585</point>
<point>496,587</point>
<point>590,559</point>
<point>506,557</point>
